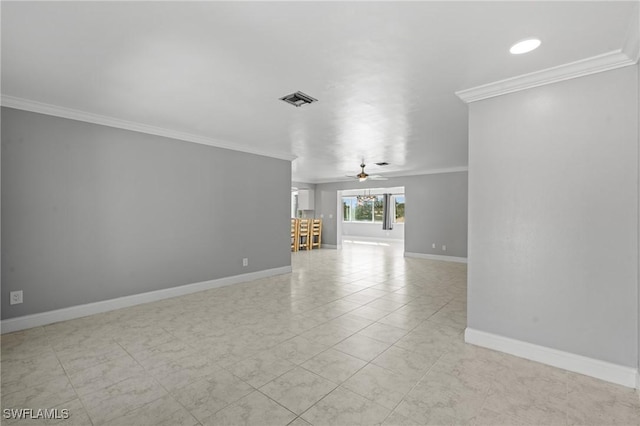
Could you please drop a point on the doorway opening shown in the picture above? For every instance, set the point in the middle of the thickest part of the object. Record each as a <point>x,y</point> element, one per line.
<point>371,216</point>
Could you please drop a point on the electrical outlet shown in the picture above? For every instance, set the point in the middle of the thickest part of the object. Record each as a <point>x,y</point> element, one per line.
<point>433,245</point>
<point>444,247</point>
<point>15,297</point>
<point>245,261</point>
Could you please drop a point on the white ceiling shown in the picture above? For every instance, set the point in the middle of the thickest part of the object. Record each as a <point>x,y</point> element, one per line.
<point>385,73</point>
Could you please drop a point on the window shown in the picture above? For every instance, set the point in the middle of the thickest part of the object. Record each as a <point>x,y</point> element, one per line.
<point>378,208</point>
<point>364,211</point>
<point>354,210</point>
<point>349,208</point>
<point>398,203</point>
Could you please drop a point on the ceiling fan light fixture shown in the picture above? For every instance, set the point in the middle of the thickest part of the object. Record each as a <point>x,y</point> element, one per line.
<point>525,46</point>
<point>362,176</point>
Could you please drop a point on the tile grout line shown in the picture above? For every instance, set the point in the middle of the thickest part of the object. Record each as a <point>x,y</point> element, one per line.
<point>72,386</point>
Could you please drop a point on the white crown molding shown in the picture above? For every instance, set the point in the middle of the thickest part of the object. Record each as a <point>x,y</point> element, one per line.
<point>603,370</point>
<point>392,175</point>
<point>430,172</point>
<point>435,257</point>
<point>50,317</point>
<point>88,117</point>
<point>595,64</point>
<point>631,46</point>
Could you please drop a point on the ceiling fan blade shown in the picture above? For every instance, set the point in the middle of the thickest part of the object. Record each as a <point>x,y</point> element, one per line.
<point>373,177</point>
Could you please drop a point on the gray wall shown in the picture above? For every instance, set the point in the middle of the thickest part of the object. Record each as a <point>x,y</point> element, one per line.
<point>435,211</point>
<point>92,213</point>
<point>306,214</point>
<point>372,230</point>
<point>553,216</point>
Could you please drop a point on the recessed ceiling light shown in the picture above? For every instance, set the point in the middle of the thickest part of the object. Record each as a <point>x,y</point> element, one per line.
<point>524,46</point>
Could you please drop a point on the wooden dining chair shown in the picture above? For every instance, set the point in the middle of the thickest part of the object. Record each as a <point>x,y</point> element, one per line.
<point>316,233</point>
<point>304,242</point>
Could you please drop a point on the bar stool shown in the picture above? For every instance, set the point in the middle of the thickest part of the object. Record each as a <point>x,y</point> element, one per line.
<point>304,241</point>
<point>316,233</point>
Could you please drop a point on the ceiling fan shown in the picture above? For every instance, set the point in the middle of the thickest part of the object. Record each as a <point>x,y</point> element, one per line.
<point>362,176</point>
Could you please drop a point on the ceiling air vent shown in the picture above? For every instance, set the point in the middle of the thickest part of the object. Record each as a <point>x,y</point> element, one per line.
<point>384,163</point>
<point>298,99</point>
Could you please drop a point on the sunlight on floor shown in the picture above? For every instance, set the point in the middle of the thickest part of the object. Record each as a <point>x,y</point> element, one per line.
<point>369,243</point>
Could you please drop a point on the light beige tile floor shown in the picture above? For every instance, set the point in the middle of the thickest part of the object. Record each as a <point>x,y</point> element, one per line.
<point>353,336</point>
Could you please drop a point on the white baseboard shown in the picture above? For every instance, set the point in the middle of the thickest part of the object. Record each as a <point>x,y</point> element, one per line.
<point>329,246</point>
<point>373,239</point>
<point>72,312</point>
<point>436,257</point>
<point>603,370</point>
